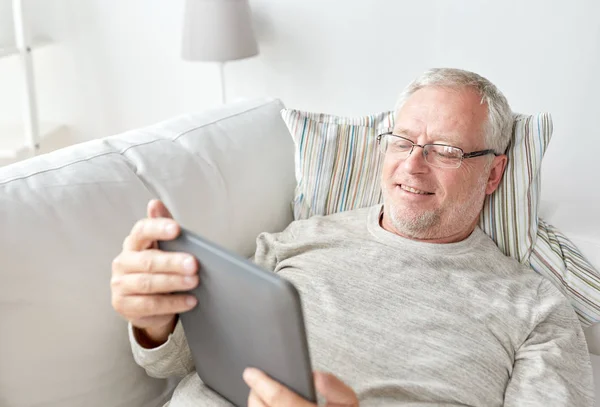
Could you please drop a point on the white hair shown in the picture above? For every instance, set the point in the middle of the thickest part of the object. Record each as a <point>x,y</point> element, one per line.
<point>498,126</point>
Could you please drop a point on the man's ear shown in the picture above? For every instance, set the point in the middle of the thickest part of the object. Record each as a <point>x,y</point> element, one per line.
<point>498,166</point>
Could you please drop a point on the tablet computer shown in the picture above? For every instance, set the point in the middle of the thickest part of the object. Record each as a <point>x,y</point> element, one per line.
<point>245,317</point>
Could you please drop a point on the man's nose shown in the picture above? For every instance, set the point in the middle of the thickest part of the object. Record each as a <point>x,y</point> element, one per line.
<point>415,162</point>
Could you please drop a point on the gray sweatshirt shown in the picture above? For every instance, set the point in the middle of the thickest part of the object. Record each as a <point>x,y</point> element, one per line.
<point>410,323</point>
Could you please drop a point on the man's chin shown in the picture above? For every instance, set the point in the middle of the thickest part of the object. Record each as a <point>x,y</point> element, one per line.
<point>420,225</point>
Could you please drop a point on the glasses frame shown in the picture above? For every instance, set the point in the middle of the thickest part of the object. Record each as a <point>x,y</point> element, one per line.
<point>464,155</point>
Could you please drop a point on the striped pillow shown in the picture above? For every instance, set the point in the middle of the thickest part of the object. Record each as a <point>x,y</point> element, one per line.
<point>338,163</point>
<point>338,167</point>
<point>510,214</point>
<point>555,257</point>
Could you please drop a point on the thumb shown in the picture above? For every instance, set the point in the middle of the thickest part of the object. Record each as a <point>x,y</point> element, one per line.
<point>336,392</point>
<point>157,209</point>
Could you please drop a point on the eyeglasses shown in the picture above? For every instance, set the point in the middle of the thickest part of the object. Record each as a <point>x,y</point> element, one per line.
<point>438,155</point>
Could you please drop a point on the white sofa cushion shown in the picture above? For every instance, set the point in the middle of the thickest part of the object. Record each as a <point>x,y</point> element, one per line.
<point>227,174</point>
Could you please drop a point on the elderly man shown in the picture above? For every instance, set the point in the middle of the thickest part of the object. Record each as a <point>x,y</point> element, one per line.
<point>408,302</point>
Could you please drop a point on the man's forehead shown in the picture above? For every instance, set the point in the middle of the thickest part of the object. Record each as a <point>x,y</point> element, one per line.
<point>446,137</point>
<point>442,115</point>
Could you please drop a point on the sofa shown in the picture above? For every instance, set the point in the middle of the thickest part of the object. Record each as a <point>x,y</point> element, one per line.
<point>227,173</point>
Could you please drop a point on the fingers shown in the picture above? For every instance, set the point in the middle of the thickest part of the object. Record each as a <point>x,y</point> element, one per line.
<point>334,390</point>
<point>147,230</point>
<point>142,283</point>
<point>154,261</point>
<point>134,307</point>
<point>146,283</point>
<point>255,401</point>
<point>157,209</point>
<point>271,392</point>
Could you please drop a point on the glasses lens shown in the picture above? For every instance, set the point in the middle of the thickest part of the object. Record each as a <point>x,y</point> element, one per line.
<point>397,146</point>
<point>443,156</point>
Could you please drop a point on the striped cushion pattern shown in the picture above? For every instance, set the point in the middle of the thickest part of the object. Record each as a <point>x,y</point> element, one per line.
<point>555,257</point>
<point>510,214</point>
<point>338,164</point>
<point>338,168</point>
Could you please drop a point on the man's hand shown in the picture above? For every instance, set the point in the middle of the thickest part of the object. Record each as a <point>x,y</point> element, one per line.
<point>143,278</point>
<point>266,392</point>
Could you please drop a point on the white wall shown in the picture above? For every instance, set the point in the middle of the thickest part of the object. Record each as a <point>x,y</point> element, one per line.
<point>117,65</point>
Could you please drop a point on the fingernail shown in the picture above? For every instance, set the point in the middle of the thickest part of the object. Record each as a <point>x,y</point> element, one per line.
<point>249,375</point>
<point>171,229</point>
<point>191,301</point>
<point>189,280</point>
<point>189,264</point>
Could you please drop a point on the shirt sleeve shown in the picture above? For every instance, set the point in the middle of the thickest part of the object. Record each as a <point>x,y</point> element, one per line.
<point>552,367</point>
<point>171,359</point>
<point>267,253</point>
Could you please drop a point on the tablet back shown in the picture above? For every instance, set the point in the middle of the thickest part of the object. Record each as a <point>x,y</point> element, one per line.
<point>246,316</point>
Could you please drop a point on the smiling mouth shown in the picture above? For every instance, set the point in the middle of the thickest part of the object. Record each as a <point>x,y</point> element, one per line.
<point>414,190</point>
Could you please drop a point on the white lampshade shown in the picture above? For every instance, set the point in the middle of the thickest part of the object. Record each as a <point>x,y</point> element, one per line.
<point>218,30</point>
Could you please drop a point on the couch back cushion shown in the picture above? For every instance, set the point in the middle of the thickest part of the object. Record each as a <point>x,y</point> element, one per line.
<point>227,174</point>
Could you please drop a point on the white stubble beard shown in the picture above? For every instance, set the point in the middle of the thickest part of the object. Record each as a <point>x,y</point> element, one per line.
<point>428,224</point>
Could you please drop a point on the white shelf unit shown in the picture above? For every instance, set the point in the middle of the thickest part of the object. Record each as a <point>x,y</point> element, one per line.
<point>12,50</point>
<point>13,146</point>
<point>22,141</point>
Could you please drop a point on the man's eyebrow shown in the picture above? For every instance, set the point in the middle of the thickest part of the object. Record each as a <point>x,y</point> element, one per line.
<point>445,139</point>
<point>438,138</point>
<point>401,132</point>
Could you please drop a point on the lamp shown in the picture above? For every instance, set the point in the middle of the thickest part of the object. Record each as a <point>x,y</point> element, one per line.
<point>218,31</point>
